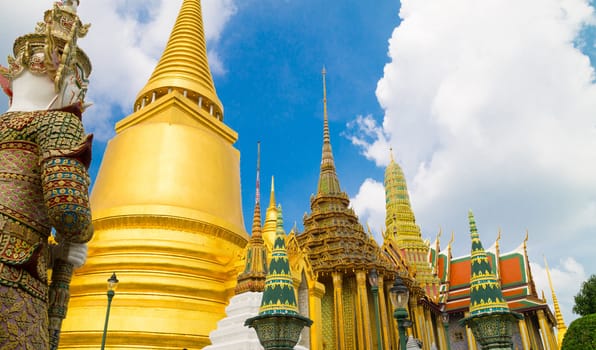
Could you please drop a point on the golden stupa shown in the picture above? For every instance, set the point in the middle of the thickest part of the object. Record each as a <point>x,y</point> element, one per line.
<point>166,210</point>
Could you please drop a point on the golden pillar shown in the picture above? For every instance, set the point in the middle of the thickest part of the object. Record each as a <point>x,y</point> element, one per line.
<point>532,331</point>
<point>443,337</point>
<point>548,339</point>
<point>362,312</point>
<point>418,321</point>
<point>523,332</point>
<point>429,326</point>
<point>384,317</point>
<point>340,335</point>
<point>315,293</point>
<point>470,336</point>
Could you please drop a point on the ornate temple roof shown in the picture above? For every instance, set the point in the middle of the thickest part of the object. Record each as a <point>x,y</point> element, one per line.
<point>402,229</point>
<point>333,237</point>
<point>252,279</point>
<point>184,65</point>
<point>512,269</point>
<point>400,222</point>
<point>279,296</point>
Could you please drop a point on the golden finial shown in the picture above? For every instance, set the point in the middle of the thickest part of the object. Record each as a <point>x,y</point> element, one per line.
<point>326,137</point>
<point>452,239</point>
<point>550,282</point>
<point>272,196</point>
<point>391,159</point>
<point>561,327</point>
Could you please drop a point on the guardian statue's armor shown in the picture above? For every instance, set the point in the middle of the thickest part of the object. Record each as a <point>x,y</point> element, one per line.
<point>44,156</point>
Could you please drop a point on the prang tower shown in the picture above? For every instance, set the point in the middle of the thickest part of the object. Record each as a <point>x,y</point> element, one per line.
<point>166,209</point>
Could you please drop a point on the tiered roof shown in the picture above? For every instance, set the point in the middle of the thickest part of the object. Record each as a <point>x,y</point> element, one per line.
<point>402,229</point>
<point>279,296</point>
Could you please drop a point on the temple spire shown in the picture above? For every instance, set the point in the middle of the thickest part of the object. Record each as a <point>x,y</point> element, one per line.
<point>490,319</point>
<point>399,220</point>
<point>401,228</point>
<point>561,327</point>
<point>485,291</point>
<point>252,279</point>
<point>183,65</point>
<point>328,182</point>
<point>279,295</point>
<point>256,221</point>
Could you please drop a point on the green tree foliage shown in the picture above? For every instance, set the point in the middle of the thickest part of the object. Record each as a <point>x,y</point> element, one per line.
<point>585,300</point>
<point>581,334</point>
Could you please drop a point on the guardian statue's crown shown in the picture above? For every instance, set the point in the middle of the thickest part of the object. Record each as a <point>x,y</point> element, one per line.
<point>52,48</point>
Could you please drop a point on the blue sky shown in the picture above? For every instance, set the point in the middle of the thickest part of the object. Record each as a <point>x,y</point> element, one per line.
<point>487,106</point>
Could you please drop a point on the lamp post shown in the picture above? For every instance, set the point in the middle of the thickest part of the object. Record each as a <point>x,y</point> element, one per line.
<point>373,279</point>
<point>399,294</point>
<point>445,319</point>
<point>112,284</point>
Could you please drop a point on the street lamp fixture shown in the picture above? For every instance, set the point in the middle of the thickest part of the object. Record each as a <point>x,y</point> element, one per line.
<point>112,284</point>
<point>399,294</point>
<point>373,279</point>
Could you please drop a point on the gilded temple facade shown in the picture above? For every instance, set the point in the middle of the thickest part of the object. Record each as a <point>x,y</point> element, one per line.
<point>176,234</point>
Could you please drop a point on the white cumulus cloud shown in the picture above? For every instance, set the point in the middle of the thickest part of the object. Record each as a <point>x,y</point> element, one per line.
<point>492,106</point>
<point>567,277</point>
<point>369,204</point>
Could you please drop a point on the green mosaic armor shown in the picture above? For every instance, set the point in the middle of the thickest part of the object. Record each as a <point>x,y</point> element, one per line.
<point>44,183</point>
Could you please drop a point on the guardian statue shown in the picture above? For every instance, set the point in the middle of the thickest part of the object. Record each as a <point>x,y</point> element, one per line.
<point>45,220</point>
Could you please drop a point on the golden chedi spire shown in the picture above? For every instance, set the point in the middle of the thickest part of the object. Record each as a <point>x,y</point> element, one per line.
<point>270,226</point>
<point>561,327</point>
<point>167,213</point>
<point>401,227</point>
<point>183,65</point>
